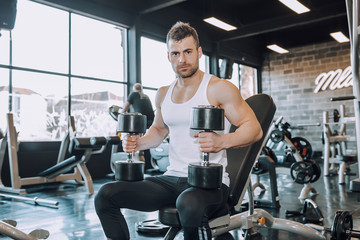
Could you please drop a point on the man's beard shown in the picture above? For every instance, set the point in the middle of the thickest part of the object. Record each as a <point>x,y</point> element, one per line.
<point>191,72</point>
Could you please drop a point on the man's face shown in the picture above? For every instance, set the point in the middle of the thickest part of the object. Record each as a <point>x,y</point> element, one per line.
<point>184,56</point>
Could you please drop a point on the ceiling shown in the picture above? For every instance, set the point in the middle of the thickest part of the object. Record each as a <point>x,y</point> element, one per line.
<point>258,22</point>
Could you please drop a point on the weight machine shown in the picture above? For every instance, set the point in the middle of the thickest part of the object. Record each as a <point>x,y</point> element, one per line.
<point>336,152</point>
<point>289,155</point>
<point>80,148</point>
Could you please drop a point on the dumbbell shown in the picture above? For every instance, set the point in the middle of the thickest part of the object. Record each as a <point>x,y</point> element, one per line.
<point>205,174</point>
<point>130,170</point>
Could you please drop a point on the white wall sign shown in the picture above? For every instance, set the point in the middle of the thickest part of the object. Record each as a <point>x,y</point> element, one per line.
<point>334,80</point>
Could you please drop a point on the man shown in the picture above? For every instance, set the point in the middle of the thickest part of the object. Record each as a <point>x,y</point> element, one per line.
<point>192,87</point>
<point>140,103</point>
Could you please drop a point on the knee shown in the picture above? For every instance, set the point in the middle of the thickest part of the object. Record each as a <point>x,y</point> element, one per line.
<point>103,197</point>
<point>190,209</point>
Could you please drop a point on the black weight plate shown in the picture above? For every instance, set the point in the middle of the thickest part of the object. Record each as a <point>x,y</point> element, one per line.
<point>316,170</point>
<point>207,117</point>
<point>301,172</point>
<point>303,146</point>
<point>276,136</point>
<point>343,222</point>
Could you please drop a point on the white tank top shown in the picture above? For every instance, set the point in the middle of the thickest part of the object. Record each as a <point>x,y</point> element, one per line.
<point>184,147</point>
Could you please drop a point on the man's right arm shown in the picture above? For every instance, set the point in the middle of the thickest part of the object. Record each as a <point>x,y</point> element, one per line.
<point>156,133</point>
<point>158,130</point>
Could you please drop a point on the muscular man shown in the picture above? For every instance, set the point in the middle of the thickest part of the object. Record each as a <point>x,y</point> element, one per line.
<point>192,87</point>
<point>140,103</point>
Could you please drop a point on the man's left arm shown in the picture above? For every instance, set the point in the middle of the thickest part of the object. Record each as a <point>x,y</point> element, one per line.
<point>225,95</point>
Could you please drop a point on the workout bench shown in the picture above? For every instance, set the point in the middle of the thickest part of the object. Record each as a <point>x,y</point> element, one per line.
<point>80,148</point>
<point>240,163</point>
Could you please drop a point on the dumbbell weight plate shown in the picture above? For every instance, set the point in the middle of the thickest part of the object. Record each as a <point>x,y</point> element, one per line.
<point>131,123</point>
<point>129,171</point>
<point>207,118</point>
<point>205,176</point>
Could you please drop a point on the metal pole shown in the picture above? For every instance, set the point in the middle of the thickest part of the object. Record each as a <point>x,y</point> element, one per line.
<point>353,19</point>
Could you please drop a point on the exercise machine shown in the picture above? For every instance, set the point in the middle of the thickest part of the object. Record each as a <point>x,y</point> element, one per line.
<point>337,156</point>
<point>72,168</point>
<point>290,155</point>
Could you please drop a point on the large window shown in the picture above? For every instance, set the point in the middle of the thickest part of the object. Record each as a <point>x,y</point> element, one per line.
<point>156,70</point>
<point>54,51</point>
<point>96,49</point>
<point>4,96</point>
<point>39,104</point>
<point>90,101</point>
<point>4,47</point>
<point>244,78</point>
<point>40,37</point>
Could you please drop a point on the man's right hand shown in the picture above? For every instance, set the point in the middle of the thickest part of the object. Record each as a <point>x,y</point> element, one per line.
<point>130,143</point>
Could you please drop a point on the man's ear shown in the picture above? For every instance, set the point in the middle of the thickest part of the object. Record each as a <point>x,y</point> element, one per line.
<point>168,56</point>
<point>200,52</point>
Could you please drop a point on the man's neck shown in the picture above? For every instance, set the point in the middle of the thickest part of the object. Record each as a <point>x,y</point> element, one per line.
<point>190,81</point>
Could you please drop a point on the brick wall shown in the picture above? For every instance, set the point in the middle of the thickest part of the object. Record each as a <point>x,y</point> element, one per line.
<point>290,80</point>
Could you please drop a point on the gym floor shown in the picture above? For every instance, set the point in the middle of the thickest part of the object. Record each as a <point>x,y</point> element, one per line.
<point>75,217</point>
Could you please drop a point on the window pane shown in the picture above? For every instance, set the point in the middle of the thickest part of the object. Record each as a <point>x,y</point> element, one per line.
<point>152,95</point>
<point>4,97</point>
<point>39,105</point>
<point>235,75</point>
<point>156,70</point>
<point>90,101</point>
<point>4,47</point>
<point>247,81</point>
<point>96,49</point>
<point>40,37</point>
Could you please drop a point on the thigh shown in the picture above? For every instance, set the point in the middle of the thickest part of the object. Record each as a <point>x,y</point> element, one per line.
<point>146,195</point>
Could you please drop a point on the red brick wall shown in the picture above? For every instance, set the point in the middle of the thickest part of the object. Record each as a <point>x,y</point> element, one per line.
<point>290,80</point>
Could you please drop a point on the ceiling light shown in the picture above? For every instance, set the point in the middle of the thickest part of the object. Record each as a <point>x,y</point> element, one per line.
<point>295,6</point>
<point>277,49</point>
<point>340,37</point>
<point>220,24</point>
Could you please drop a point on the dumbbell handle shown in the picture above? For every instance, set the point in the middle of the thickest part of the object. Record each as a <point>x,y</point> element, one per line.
<point>206,157</point>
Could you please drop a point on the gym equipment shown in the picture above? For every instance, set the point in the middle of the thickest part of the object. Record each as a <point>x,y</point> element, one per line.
<point>297,159</point>
<point>337,157</point>
<point>114,111</point>
<point>352,9</point>
<point>240,163</point>
<point>266,164</point>
<point>10,142</point>
<point>35,200</point>
<point>80,148</point>
<point>205,174</point>
<point>8,228</point>
<point>308,204</point>
<point>160,156</point>
<point>341,228</point>
<point>130,170</point>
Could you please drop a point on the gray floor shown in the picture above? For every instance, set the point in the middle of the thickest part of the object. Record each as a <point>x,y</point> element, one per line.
<point>75,218</point>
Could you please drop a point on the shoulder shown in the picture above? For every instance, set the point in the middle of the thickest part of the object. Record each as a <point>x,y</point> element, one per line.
<point>218,85</point>
<point>160,95</point>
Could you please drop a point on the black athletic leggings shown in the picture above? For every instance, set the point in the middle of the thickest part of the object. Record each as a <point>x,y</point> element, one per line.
<point>195,206</point>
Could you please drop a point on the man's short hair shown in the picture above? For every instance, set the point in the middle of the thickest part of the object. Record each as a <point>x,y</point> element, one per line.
<point>137,87</point>
<point>181,30</point>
